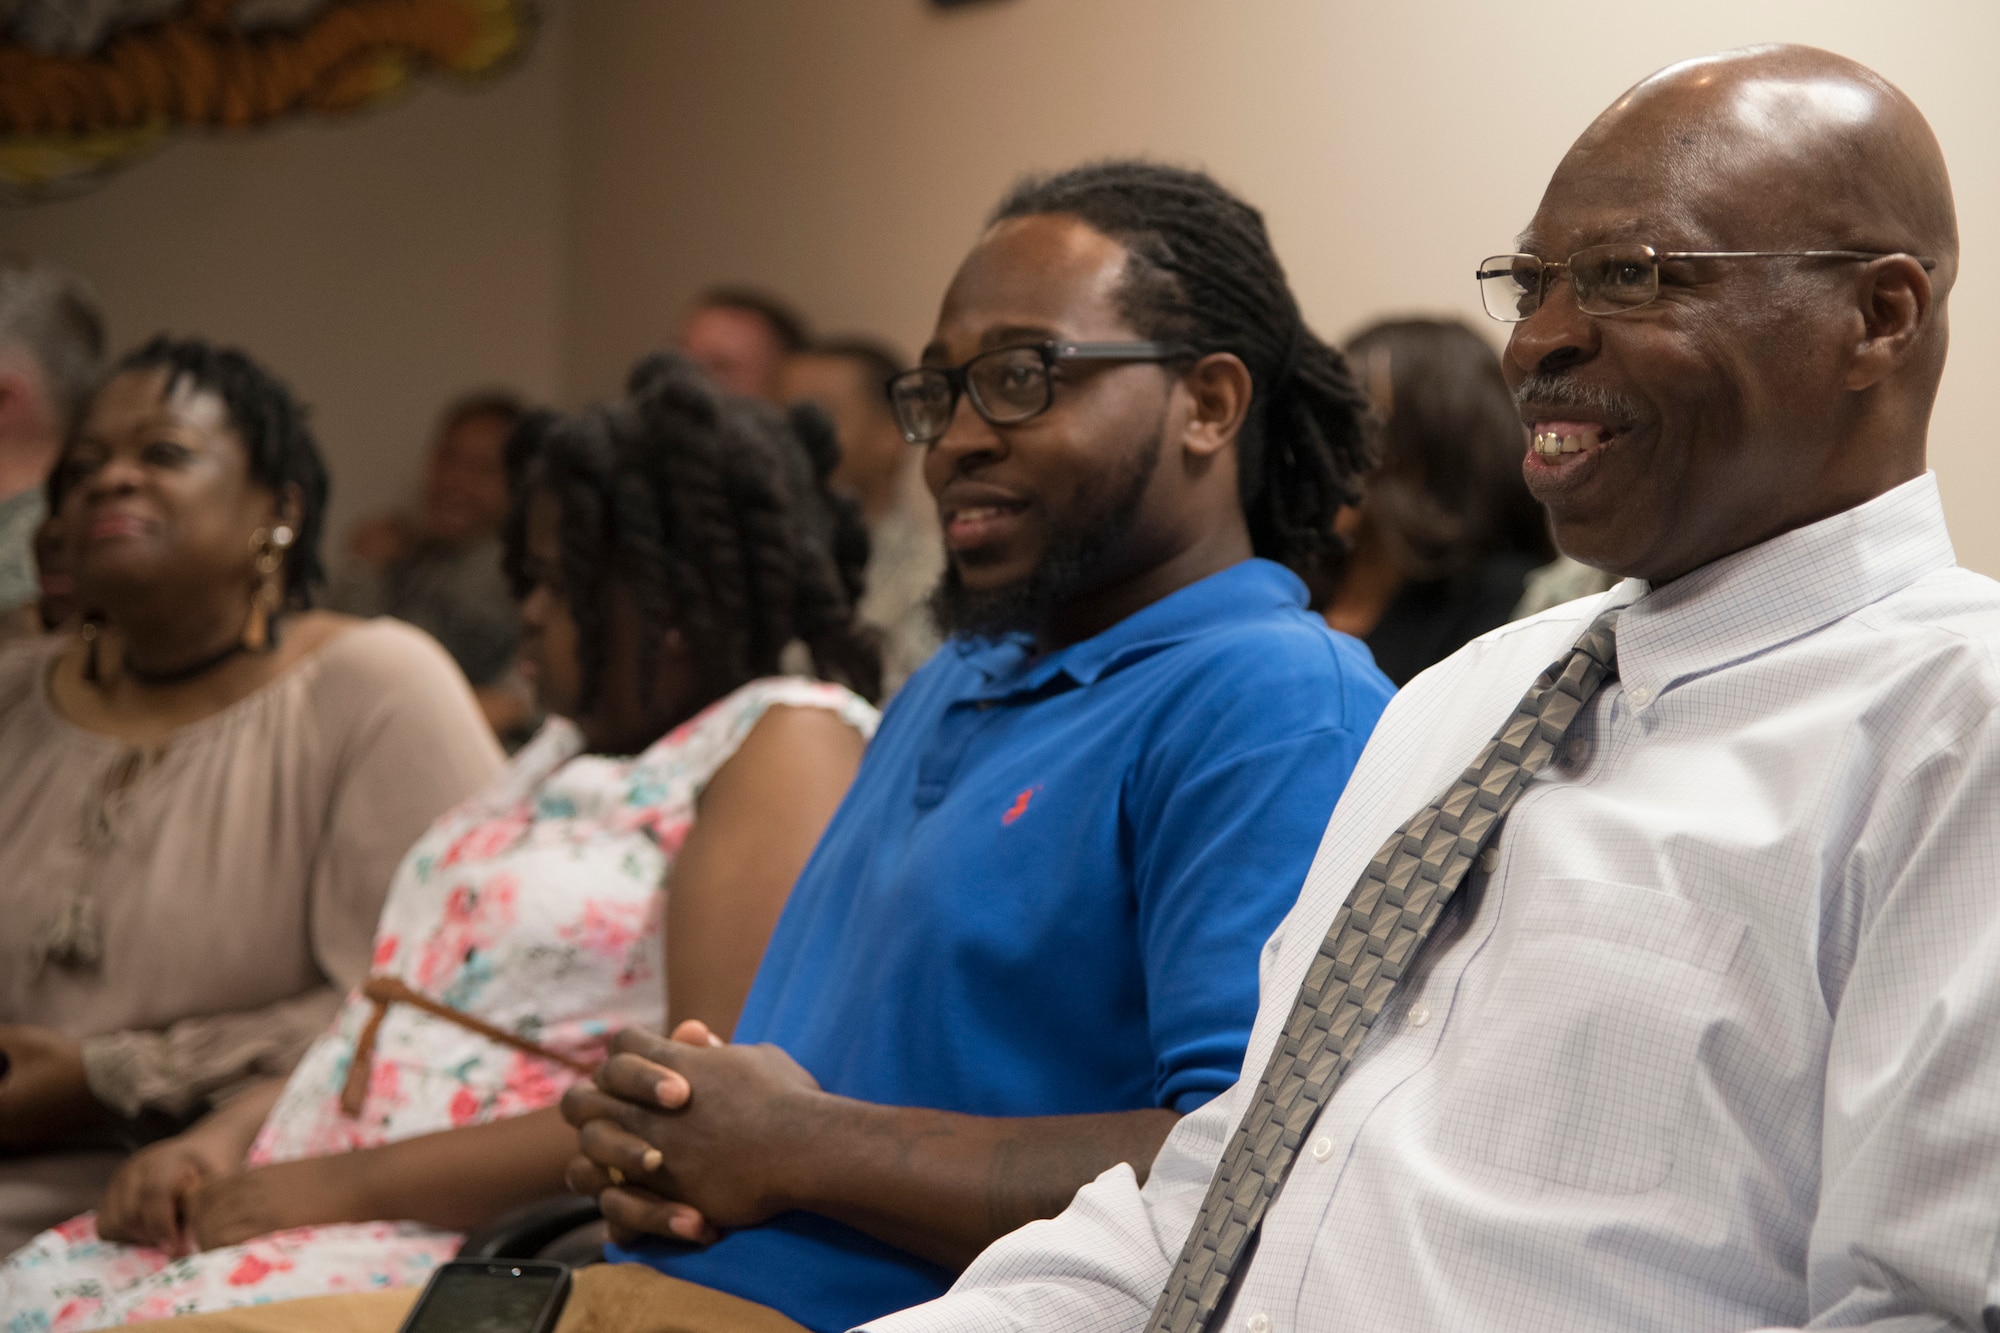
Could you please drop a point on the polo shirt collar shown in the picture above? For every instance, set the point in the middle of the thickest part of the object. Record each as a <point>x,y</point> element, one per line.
<point>1243,591</point>
<point>1779,590</point>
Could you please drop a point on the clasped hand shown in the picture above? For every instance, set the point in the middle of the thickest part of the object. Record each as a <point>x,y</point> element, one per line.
<point>682,1137</point>
<point>188,1193</point>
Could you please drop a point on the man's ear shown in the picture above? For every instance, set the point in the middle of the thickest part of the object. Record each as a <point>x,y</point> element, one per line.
<point>1219,389</point>
<point>1895,308</point>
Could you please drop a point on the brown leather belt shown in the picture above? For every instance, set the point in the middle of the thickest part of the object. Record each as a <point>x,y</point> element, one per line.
<point>385,991</point>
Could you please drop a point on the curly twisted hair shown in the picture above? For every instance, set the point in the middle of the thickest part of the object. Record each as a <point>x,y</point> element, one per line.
<point>1202,275</point>
<point>714,510</point>
<point>269,421</point>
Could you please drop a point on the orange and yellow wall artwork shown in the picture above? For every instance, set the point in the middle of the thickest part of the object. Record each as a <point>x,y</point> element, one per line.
<point>88,85</point>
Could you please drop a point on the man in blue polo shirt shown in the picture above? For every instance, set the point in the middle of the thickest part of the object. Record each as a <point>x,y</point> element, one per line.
<point>1027,943</point>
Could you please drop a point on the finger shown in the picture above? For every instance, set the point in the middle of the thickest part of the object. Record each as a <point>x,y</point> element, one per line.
<point>694,1032</point>
<point>636,1079</point>
<point>198,1219</point>
<point>584,1102</point>
<point>637,1119</point>
<point>585,1177</point>
<point>637,1210</point>
<point>184,1240</point>
<point>114,1214</point>
<point>123,1217</point>
<point>215,1221</point>
<point>634,1126</point>
<point>160,1209</point>
<point>646,1045</point>
<point>623,1155</point>
<point>640,1118</point>
<point>114,1219</point>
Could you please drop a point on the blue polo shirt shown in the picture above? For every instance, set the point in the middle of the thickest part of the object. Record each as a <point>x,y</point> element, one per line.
<point>1046,892</point>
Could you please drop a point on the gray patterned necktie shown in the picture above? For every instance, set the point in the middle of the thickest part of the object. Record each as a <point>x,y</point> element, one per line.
<point>1367,950</point>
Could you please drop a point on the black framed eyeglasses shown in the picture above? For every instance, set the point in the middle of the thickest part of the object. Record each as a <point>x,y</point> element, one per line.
<point>1007,385</point>
<point>1611,279</point>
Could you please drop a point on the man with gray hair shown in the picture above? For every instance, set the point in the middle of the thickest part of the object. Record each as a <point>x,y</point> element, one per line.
<point>1648,975</point>
<point>51,351</point>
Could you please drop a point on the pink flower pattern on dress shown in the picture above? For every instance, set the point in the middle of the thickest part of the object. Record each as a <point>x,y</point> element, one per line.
<point>475,917</point>
<point>531,1084</point>
<point>464,1107</point>
<point>253,1268</point>
<point>609,931</point>
<point>537,906</point>
<point>486,841</point>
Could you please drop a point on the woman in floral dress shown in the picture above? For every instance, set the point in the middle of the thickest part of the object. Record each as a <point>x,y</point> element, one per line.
<point>625,869</point>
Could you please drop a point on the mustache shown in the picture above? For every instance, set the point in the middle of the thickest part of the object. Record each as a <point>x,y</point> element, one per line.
<point>1561,391</point>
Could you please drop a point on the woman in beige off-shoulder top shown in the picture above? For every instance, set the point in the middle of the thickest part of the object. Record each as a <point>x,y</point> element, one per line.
<point>205,789</point>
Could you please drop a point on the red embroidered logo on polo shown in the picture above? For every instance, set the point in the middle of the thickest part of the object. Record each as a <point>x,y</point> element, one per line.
<point>1020,806</point>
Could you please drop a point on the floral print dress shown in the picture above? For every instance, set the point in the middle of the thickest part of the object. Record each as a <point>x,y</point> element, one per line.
<point>536,906</point>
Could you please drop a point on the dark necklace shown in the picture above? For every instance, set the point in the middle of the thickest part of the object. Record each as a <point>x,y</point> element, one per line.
<point>181,675</point>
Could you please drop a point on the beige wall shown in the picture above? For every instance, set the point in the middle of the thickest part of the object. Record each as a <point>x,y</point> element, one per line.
<point>546,230</point>
<point>846,152</point>
<point>381,264</point>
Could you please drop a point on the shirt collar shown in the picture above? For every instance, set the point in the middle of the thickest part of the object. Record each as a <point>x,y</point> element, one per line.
<point>1779,590</point>
<point>1243,591</point>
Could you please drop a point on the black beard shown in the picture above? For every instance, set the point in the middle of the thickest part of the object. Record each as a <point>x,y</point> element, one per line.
<point>1068,567</point>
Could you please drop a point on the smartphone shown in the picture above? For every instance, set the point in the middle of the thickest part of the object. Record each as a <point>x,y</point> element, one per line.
<point>491,1296</point>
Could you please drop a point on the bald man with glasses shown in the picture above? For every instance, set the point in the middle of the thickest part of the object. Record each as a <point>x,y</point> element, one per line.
<point>1648,975</point>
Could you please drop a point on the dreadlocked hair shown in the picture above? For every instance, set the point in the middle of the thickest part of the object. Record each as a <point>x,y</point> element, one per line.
<point>283,456</point>
<point>715,512</point>
<point>1201,275</point>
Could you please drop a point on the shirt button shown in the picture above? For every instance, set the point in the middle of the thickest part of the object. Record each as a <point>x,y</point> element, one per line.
<point>1577,753</point>
<point>1640,697</point>
<point>1258,1323</point>
<point>1419,1015</point>
<point>1322,1149</point>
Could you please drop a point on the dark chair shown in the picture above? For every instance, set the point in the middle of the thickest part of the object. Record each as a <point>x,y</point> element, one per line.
<point>562,1229</point>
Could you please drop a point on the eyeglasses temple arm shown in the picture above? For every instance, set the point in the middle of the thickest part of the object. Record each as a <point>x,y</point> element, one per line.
<point>1925,260</point>
<point>1115,351</point>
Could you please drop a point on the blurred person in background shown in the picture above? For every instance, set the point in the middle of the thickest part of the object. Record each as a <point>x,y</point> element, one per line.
<point>204,785</point>
<point>740,337</point>
<point>884,473</point>
<point>1563,579</point>
<point>626,869</point>
<point>439,567</point>
<point>1443,541</point>
<point>51,351</point>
